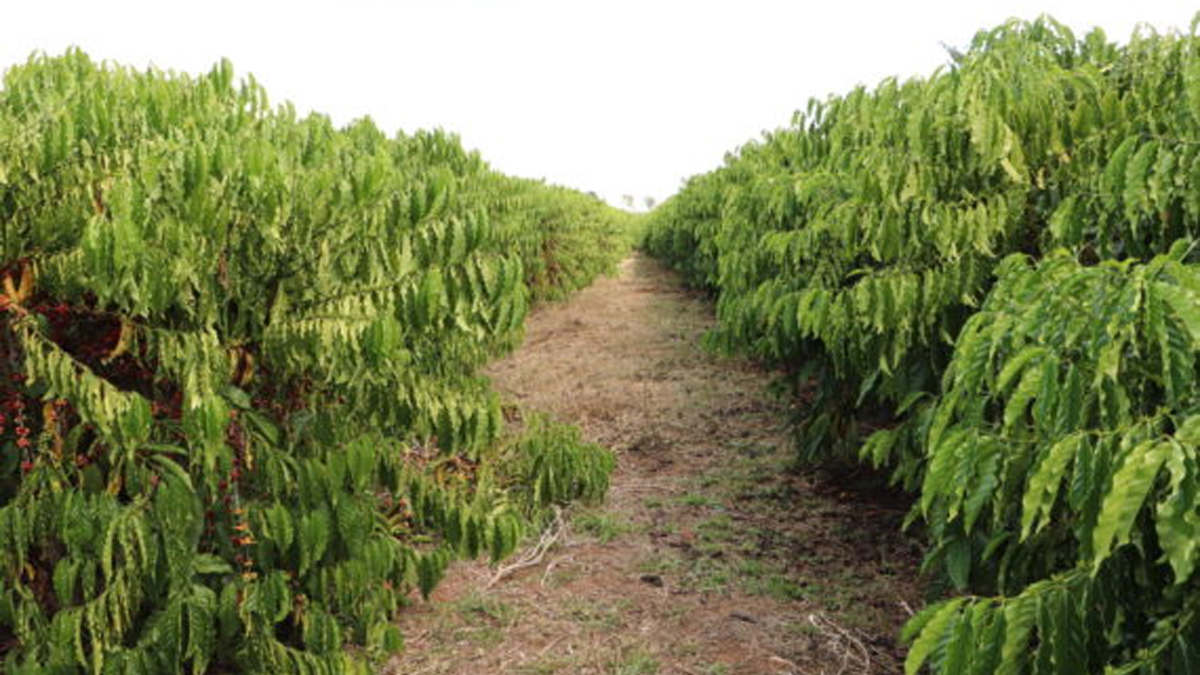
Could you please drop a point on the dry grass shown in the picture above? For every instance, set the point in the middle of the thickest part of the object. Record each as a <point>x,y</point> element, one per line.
<point>708,557</point>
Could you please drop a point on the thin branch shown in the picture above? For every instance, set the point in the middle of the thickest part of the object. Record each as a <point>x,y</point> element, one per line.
<point>842,642</point>
<point>550,536</point>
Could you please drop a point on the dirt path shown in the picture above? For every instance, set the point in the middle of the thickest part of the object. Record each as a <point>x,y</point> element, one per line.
<point>710,556</point>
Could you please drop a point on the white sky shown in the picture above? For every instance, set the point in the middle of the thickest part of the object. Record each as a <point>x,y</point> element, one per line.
<point>614,96</point>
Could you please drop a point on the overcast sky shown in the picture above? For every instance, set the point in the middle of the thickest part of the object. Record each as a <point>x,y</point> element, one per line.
<point>615,96</point>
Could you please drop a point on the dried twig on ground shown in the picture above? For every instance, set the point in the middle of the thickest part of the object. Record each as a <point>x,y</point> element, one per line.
<point>842,642</point>
<point>792,668</point>
<point>550,536</point>
<point>555,563</point>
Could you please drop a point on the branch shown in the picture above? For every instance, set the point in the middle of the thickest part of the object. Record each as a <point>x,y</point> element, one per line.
<point>550,536</point>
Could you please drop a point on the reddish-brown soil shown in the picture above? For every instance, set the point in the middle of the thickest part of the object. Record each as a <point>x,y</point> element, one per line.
<point>711,555</point>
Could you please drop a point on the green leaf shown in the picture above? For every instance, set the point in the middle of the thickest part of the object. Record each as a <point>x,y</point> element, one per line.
<point>932,634</point>
<point>1130,486</point>
<point>958,562</point>
<point>1025,392</point>
<point>1177,521</point>
<point>1038,502</point>
<point>1020,614</point>
<point>210,564</point>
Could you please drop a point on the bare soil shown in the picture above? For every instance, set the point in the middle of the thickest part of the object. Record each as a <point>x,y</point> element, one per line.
<point>712,555</point>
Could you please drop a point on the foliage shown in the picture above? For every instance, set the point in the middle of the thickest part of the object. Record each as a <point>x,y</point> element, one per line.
<point>1063,474</point>
<point>550,464</point>
<point>564,238</point>
<point>983,281</point>
<point>241,419</point>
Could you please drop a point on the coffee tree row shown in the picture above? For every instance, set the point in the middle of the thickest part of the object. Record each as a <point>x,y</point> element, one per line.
<point>240,419</point>
<point>985,281</point>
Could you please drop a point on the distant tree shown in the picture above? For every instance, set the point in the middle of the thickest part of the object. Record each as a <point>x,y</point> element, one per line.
<point>650,202</point>
<point>627,200</point>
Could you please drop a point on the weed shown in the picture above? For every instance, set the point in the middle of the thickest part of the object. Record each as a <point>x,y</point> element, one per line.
<point>697,500</point>
<point>604,526</point>
<point>639,662</point>
<point>477,604</point>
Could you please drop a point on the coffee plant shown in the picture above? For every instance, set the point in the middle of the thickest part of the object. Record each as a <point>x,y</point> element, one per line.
<point>240,420</point>
<point>984,281</point>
